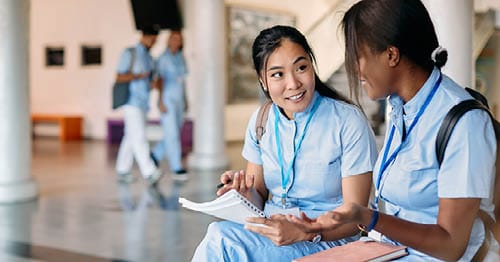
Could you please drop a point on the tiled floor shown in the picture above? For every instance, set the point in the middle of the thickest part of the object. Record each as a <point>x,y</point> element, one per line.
<point>83,214</point>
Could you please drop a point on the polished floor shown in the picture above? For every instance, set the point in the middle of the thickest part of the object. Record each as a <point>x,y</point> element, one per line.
<point>83,214</point>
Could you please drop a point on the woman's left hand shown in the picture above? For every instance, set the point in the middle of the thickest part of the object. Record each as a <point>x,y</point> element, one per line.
<point>278,229</point>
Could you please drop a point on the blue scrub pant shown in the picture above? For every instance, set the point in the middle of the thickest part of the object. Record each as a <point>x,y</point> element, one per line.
<point>170,145</point>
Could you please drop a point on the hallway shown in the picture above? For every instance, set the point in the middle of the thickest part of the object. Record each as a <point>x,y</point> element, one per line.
<point>82,214</point>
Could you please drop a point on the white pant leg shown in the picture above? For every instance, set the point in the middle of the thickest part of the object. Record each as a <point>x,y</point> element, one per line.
<point>125,158</point>
<point>135,134</point>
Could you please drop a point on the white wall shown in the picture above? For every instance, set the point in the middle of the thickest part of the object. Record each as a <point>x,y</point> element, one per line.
<point>306,14</point>
<point>73,88</point>
<point>86,90</point>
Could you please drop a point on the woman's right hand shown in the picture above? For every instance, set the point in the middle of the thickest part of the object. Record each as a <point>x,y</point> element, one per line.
<point>344,214</point>
<point>162,107</point>
<point>237,180</point>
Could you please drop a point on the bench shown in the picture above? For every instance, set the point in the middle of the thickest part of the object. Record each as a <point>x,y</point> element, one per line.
<point>116,126</point>
<point>70,126</point>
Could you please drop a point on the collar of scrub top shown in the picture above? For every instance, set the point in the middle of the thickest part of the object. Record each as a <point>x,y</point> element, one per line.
<point>387,161</point>
<point>141,48</point>
<point>286,173</point>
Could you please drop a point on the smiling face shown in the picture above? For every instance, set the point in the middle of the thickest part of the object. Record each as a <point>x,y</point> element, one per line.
<point>288,76</point>
<point>374,72</point>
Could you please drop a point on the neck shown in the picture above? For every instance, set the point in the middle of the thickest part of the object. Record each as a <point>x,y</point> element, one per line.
<point>288,115</point>
<point>173,51</point>
<point>410,82</point>
<point>144,44</point>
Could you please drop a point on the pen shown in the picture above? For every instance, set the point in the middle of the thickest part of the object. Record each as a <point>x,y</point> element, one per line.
<point>219,186</point>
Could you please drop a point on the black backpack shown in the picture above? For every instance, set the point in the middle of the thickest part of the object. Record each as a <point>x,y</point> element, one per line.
<point>444,133</point>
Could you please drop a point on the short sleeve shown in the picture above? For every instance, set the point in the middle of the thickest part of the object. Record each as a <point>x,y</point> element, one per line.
<point>124,62</point>
<point>359,151</point>
<point>251,149</point>
<point>468,166</point>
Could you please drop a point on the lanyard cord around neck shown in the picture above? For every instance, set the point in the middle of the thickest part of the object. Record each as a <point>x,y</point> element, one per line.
<point>386,162</point>
<point>285,174</point>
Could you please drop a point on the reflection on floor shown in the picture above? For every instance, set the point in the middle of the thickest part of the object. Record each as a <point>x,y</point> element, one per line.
<point>83,214</point>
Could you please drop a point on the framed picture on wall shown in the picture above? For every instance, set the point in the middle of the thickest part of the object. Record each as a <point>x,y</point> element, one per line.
<point>54,56</point>
<point>91,55</point>
<point>244,25</point>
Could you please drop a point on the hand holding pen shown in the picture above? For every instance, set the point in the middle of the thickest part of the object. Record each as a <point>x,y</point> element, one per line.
<point>234,180</point>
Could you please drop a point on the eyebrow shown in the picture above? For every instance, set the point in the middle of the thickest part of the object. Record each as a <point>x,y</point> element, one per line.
<point>300,58</point>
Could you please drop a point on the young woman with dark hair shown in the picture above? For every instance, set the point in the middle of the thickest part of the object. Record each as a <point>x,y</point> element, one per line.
<point>318,152</point>
<point>392,51</point>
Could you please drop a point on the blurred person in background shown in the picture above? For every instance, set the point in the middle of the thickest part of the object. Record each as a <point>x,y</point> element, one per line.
<point>134,144</point>
<point>171,69</point>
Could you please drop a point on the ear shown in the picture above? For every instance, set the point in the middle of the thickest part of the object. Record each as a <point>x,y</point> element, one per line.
<point>393,56</point>
<point>262,85</point>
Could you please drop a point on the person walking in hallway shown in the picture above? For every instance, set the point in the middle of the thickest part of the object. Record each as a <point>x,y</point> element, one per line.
<point>134,144</point>
<point>172,71</point>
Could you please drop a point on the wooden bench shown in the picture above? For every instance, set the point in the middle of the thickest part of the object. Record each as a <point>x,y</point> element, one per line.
<point>70,126</point>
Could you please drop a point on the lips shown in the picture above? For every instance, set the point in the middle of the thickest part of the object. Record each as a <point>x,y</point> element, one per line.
<point>296,97</point>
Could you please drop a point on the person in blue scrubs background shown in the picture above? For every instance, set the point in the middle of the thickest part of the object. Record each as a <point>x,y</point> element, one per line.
<point>134,144</point>
<point>317,152</point>
<point>392,51</point>
<point>171,68</point>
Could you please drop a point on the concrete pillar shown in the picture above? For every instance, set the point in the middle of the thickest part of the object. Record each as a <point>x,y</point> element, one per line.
<point>206,21</point>
<point>16,183</point>
<point>454,20</point>
<point>495,84</point>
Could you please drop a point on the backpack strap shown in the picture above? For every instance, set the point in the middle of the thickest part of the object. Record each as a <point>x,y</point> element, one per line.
<point>449,122</point>
<point>444,133</point>
<point>260,124</point>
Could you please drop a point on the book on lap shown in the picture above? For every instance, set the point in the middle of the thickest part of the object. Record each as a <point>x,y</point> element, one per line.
<point>231,206</point>
<point>365,249</point>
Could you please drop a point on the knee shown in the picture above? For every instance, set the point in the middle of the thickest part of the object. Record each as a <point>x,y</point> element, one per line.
<point>216,230</point>
<point>223,231</point>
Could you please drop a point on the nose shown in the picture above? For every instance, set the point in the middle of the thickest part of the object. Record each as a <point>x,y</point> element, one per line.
<point>293,82</point>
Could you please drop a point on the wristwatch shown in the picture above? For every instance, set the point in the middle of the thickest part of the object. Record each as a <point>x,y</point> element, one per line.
<point>316,239</point>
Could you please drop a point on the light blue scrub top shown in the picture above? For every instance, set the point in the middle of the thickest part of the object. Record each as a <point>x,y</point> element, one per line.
<point>412,185</point>
<point>139,88</point>
<point>339,143</point>
<point>172,69</point>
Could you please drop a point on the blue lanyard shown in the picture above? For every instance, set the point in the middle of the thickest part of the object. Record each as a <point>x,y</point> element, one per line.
<point>285,176</point>
<point>386,162</point>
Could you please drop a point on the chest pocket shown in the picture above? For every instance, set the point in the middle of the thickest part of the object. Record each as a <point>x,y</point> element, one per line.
<point>322,179</point>
<point>406,183</point>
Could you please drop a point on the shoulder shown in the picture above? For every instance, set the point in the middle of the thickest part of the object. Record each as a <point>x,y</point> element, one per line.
<point>341,110</point>
<point>257,111</point>
<point>453,91</point>
<point>452,94</point>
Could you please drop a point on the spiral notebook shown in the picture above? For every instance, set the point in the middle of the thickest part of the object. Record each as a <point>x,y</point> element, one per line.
<point>231,206</point>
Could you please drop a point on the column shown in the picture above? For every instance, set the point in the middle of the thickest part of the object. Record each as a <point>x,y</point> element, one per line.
<point>495,84</point>
<point>205,20</point>
<point>16,183</point>
<point>454,26</point>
